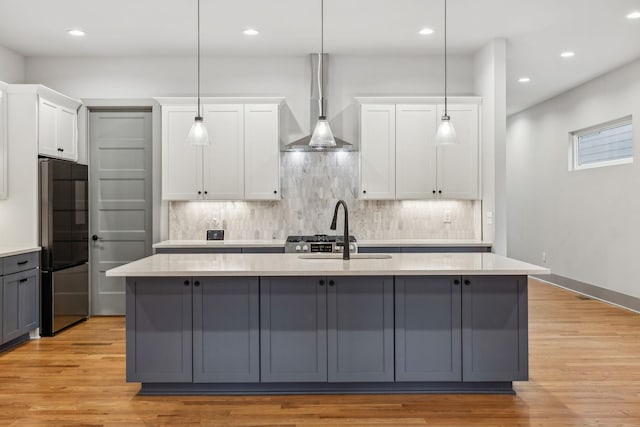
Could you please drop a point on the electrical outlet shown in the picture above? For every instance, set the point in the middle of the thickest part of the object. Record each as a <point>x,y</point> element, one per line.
<point>447,217</point>
<point>544,257</point>
<point>489,218</point>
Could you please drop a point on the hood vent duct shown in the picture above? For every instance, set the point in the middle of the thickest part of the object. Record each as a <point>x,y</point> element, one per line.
<point>319,78</point>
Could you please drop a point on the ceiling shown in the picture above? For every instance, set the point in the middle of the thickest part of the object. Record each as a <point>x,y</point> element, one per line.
<point>536,32</point>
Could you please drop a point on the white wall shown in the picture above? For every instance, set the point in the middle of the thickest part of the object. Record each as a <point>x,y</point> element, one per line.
<point>287,76</point>
<point>490,84</point>
<point>12,66</point>
<point>587,221</point>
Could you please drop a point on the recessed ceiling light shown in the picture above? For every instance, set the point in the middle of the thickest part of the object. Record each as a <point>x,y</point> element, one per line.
<point>524,79</point>
<point>568,54</point>
<point>76,33</point>
<point>425,31</point>
<point>251,32</point>
<point>634,15</point>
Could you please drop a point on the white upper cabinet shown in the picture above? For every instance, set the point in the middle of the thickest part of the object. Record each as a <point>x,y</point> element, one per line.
<point>224,158</point>
<point>262,152</point>
<point>400,159</point>
<point>377,152</point>
<point>242,161</point>
<point>57,128</point>
<point>181,162</point>
<point>416,151</point>
<point>458,172</point>
<point>3,143</point>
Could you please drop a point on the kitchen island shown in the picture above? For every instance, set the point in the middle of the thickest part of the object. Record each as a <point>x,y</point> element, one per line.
<point>282,323</point>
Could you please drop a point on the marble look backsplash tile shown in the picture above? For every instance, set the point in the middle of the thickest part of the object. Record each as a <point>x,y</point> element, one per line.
<point>311,183</point>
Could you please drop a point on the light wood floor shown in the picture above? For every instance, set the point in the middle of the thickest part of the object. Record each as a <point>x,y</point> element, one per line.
<point>584,371</point>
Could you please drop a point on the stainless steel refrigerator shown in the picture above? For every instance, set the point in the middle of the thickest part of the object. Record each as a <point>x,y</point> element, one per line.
<point>64,228</point>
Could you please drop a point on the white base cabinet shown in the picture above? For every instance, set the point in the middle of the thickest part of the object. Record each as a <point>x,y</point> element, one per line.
<point>3,141</point>
<point>242,161</point>
<point>400,159</point>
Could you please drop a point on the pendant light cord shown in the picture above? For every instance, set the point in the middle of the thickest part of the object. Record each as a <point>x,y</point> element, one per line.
<point>445,58</point>
<point>199,59</point>
<point>321,60</point>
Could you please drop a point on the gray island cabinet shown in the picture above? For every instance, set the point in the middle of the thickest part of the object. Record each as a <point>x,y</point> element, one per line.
<point>441,323</point>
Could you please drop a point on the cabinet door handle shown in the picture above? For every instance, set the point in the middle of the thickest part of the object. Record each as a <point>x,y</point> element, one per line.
<point>23,280</point>
<point>439,191</point>
<point>434,191</point>
<point>275,191</point>
<point>332,283</point>
<point>456,282</point>
<point>364,191</point>
<point>186,283</point>
<point>196,283</point>
<point>206,192</point>
<point>467,282</point>
<point>321,282</point>
<point>199,192</point>
<point>23,262</point>
<point>61,149</point>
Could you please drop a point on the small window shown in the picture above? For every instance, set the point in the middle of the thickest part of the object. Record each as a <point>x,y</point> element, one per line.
<point>603,145</point>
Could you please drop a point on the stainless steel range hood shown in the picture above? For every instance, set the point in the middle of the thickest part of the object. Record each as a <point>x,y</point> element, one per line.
<point>318,93</point>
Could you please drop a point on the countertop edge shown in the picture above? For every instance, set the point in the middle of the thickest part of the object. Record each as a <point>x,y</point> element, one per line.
<point>332,273</point>
<point>19,251</point>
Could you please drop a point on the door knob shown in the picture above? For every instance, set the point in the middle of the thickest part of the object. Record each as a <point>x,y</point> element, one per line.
<point>96,237</point>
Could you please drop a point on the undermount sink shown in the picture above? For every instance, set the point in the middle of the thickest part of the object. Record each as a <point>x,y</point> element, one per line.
<point>339,256</point>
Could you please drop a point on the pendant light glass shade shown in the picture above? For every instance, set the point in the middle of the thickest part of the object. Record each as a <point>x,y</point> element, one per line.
<point>446,132</point>
<point>322,136</point>
<point>198,134</point>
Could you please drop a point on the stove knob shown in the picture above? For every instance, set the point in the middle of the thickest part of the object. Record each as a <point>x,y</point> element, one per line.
<point>337,248</point>
<point>352,248</point>
<point>298,248</point>
<point>305,248</point>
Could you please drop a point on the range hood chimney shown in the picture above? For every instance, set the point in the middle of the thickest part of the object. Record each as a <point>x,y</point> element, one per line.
<point>318,96</point>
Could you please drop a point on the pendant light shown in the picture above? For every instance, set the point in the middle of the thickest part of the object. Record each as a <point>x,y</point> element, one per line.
<point>446,133</point>
<point>198,134</point>
<point>322,137</point>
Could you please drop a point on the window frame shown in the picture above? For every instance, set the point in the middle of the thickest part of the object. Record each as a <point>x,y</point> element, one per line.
<point>574,138</point>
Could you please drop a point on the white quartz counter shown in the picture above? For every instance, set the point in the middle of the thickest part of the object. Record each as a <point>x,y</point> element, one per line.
<point>176,244</point>
<point>293,265</point>
<point>424,243</point>
<point>17,250</point>
<point>275,243</point>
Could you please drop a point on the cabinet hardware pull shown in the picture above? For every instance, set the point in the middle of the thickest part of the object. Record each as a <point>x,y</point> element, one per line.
<point>23,262</point>
<point>199,192</point>
<point>275,191</point>
<point>206,192</point>
<point>456,282</point>
<point>439,191</point>
<point>186,283</point>
<point>61,149</point>
<point>467,282</point>
<point>23,280</point>
<point>331,283</point>
<point>321,282</point>
<point>196,283</point>
<point>364,191</point>
<point>434,191</point>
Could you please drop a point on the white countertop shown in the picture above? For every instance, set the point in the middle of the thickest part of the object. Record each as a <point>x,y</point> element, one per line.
<point>292,265</point>
<point>280,243</point>
<point>219,244</point>
<point>433,243</point>
<point>17,250</point>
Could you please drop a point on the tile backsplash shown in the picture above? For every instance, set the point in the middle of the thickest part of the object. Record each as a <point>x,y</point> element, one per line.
<point>311,184</point>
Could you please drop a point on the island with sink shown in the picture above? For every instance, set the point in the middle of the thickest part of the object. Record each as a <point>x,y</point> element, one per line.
<point>273,323</point>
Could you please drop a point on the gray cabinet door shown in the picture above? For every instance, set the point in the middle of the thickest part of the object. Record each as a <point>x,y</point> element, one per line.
<point>159,329</point>
<point>226,330</point>
<point>494,321</point>
<point>293,335</point>
<point>428,328</point>
<point>360,329</point>
<point>20,304</point>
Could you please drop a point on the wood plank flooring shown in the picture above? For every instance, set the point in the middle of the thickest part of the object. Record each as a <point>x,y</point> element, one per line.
<point>584,371</point>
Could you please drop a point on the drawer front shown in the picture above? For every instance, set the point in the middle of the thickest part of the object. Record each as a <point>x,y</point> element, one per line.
<point>16,263</point>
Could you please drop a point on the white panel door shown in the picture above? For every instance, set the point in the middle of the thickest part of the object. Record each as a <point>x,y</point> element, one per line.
<point>377,152</point>
<point>67,135</point>
<point>48,128</point>
<point>120,201</point>
<point>4,166</point>
<point>181,162</point>
<point>224,159</point>
<point>458,163</point>
<point>261,152</point>
<point>416,151</point>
